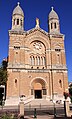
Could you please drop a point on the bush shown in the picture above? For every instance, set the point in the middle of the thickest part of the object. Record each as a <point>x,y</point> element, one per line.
<point>0,102</point>
<point>5,116</point>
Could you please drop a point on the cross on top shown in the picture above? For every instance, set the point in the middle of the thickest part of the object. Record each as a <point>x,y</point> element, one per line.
<point>52,8</point>
<point>18,3</point>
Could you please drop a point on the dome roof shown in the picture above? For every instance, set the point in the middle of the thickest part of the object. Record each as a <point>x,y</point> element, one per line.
<point>18,10</point>
<point>53,15</point>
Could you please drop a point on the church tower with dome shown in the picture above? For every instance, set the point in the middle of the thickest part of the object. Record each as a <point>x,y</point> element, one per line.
<point>37,64</point>
<point>53,21</point>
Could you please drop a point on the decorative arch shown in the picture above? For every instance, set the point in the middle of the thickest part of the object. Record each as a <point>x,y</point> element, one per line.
<point>38,50</point>
<point>38,87</point>
<point>17,44</point>
<point>38,79</point>
<point>44,41</point>
<point>39,42</point>
<point>57,46</point>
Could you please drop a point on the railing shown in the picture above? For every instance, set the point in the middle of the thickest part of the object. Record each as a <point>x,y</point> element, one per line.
<point>26,99</point>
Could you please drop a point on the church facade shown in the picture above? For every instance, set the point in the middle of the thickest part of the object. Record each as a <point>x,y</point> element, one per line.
<point>37,64</point>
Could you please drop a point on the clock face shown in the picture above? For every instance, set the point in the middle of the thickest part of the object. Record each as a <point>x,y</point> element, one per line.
<point>37,45</point>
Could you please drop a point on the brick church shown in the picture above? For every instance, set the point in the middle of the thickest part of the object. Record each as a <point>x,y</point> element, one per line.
<point>37,64</point>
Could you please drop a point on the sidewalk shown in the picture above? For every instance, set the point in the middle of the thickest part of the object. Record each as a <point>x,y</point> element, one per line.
<point>39,117</point>
<point>46,117</point>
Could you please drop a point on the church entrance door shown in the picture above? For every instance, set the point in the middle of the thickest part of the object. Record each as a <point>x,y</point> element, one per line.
<point>38,94</point>
<point>38,88</point>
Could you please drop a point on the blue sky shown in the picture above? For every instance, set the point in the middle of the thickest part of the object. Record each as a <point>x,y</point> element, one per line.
<point>40,9</point>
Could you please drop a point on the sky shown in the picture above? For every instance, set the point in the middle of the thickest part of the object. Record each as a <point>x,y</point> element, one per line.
<point>37,9</point>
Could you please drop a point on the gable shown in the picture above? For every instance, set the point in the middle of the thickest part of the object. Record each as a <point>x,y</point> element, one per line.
<point>37,35</point>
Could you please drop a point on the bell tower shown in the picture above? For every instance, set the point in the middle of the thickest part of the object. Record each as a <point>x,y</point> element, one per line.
<point>53,22</point>
<point>17,18</point>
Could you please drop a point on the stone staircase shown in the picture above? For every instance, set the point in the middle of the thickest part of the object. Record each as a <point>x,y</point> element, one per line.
<point>28,102</point>
<point>39,102</point>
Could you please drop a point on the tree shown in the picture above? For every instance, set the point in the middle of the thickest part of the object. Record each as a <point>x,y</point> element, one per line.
<point>3,79</point>
<point>3,73</point>
<point>70,92</point>
<point>3,76</point>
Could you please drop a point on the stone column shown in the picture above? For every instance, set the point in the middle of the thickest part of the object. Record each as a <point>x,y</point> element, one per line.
<point>21,108</point>
<point>67,107</point>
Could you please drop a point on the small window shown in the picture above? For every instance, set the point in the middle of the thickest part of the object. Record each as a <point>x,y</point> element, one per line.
<point>17,21</point>
<point>44,61</point>
<point>60,83</point>
<point>31,91</point>
<point>16,52</point>
<point>38,58</point>
<point>58,50</point>
<point>14,22</point>
<point>16,47</point>
<point>44,92</point>
<point>21,22</point>
<point>15,80</point>
<point>51,25</point>
<point>31,67</point>
<point>33,60</point>
<point>58,59</point>
<point>37,67</point>
<point>55,25</point>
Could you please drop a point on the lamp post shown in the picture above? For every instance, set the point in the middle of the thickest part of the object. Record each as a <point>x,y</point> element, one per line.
<point>65,108</point>
<point>65,96</point>
<point>54,109</point>
<point>3,102</point>
<point>35,114</point>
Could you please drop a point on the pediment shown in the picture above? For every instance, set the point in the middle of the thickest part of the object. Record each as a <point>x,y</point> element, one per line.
<point>37,31</point>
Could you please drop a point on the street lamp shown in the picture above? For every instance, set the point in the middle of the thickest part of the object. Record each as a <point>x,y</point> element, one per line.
<point>3,102</point>
<point>54,109</point>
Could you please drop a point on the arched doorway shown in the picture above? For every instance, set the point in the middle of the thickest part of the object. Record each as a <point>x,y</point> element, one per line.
<point>38,88</point>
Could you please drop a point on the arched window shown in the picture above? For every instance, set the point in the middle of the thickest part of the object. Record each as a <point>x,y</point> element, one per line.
<point>60,83</point>
<point>58,54</point>
<point>51,26</point>
<point>17,21</point>
<point>30,60</point>
<point>14,22</point>
<point>38,60</point>
<point>58,49</point>
<point>15,82</point>
<point>21,22</point>
<point>16,56</point>
<point>33,60</point>
<point>43,60</point>
<point>55,25</point>
<point>58,58</point>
